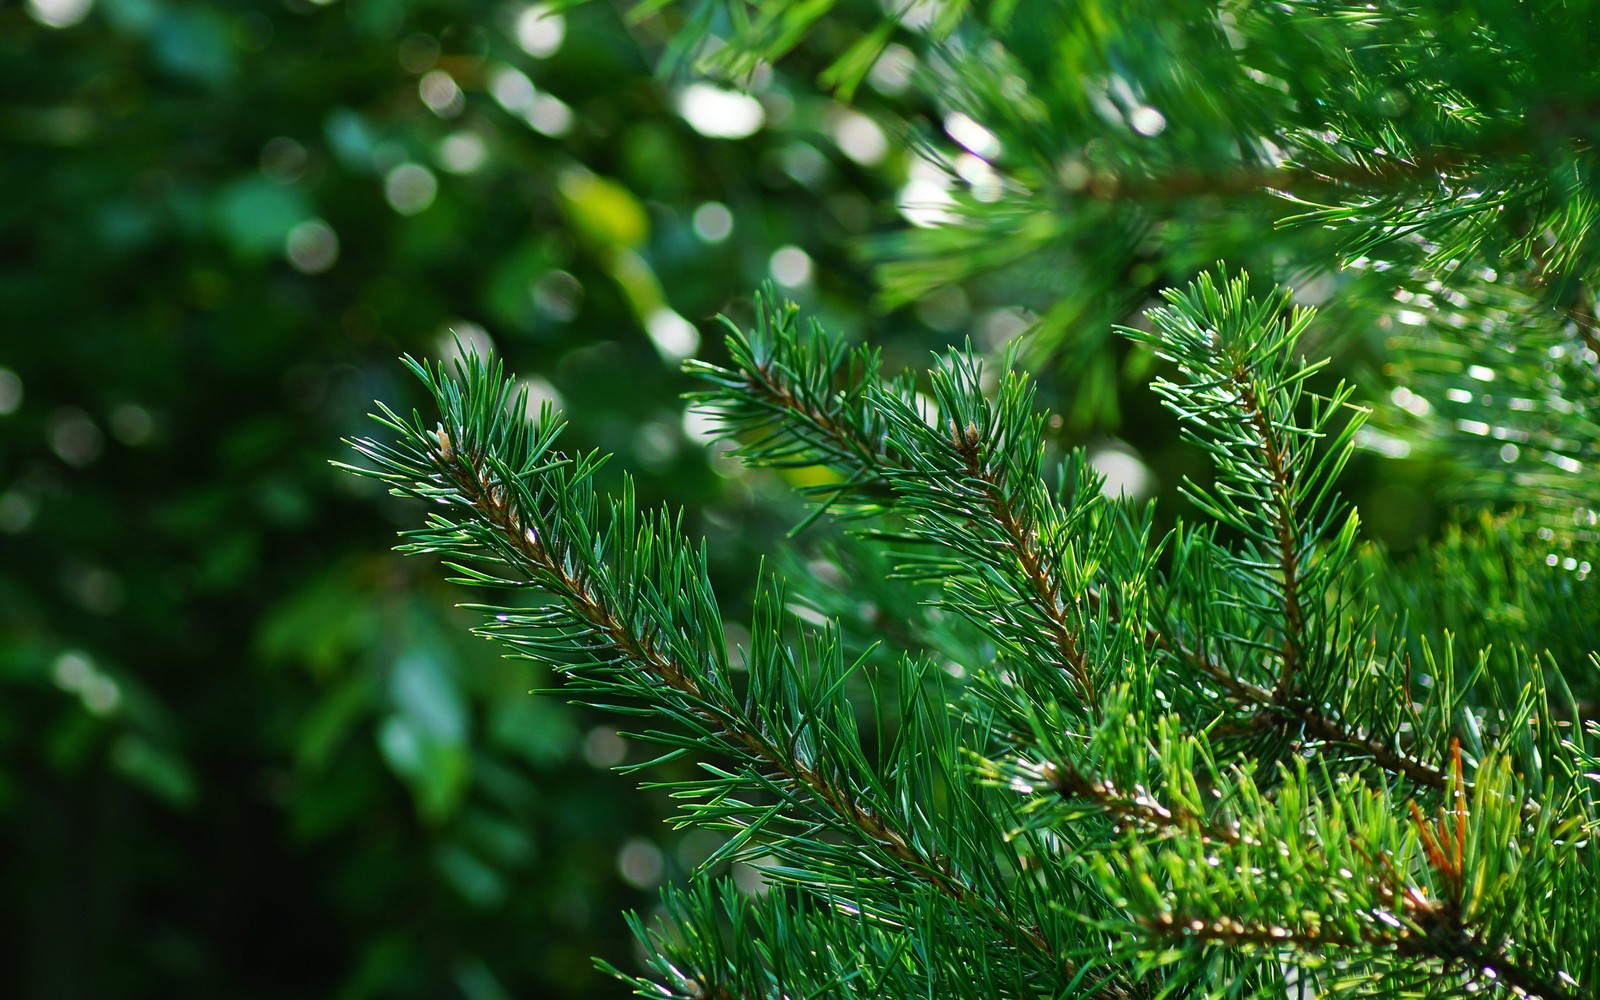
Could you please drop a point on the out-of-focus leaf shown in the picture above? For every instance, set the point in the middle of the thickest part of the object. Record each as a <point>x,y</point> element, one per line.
<point>427,697</point>
<point>604,212</point>
<point>134,17</point>
<point>539,730</point>
<point>511,287</point>
<point>256,215</point>
<point>476,881</point>
<point>192,42</point>
<point>157,770</point>
<point>387,962</point>
<point>478,983</point>
<point>436,770</point>
<point>328,724</point>
<point>351,138</point>
<point>495,838</point>
<point>324,625</point>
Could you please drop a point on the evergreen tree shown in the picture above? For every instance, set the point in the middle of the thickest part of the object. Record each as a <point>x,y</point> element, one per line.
<point>1102,752</point>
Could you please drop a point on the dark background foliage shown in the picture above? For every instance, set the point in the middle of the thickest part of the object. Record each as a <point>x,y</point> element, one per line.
<point>246,753</point>
<point>243,751</point>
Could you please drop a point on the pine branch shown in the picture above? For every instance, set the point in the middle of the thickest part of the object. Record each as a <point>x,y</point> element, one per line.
<point>869,464</point>
<point>1237,401</point>
<point>1352,881</point>
<point>1355,892</point>
<point>785,399</point>
<point>531,516</point>
<point>639,646</point>
<point>791,400</point>
<point>1307,182</point>
<point>1285,522</point>
<point>1021,536</point>
<point>634,600</point>
<point>1294,490</point>
<point>786,394</point>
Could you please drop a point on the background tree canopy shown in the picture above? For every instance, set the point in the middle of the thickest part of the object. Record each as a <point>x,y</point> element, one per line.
<point>241,751</point>
<point>241,754</point>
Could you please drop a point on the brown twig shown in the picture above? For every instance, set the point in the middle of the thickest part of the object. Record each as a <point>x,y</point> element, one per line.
<point>1294,639</point>
<point>1138,809</point>
<point>1023,539</point>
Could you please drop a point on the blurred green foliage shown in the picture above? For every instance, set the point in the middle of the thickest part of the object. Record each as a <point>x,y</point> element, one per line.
<point>240,755</point>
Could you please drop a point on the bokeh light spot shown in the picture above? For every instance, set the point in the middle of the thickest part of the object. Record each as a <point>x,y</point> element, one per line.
<point>925,200</point>
<point>549,116</point>
<point>418,53</point>
<point>720,114</point>
<point>892,73</point>
<point>540,31</point>
<point>440,93</point>
<point>540,394</point>
<point>461,339</point>
<point>462,152</point>
<point>558,295</point>
<point>675,337</point>
<point>72,670</point>
<point>1147,121</point>
<point>858,137</point>
<point>132,424</point>
<point>1125,475</point>
<point>979,140</point>
<point>945,309</point>
<point>17,510</point>
<point>640,863</point>
<point>604,747</point>
<point>283,159</point>
<point>790,266</point>
<point>312,247</point>
<point>74,437</point>
<point>712,222</point>
<point>59,13</point>
<point>703,424</point>
<point>512,88</point>
<point>410,188</point>
<point>10,391</point>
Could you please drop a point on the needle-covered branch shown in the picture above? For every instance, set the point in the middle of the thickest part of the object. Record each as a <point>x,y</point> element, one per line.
<point>1277,450</point>
<point>1275,628</point>
<point>626,609</point>
<point>1086,806</point>
<point>963,467</point>
<point>1056,569</point>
